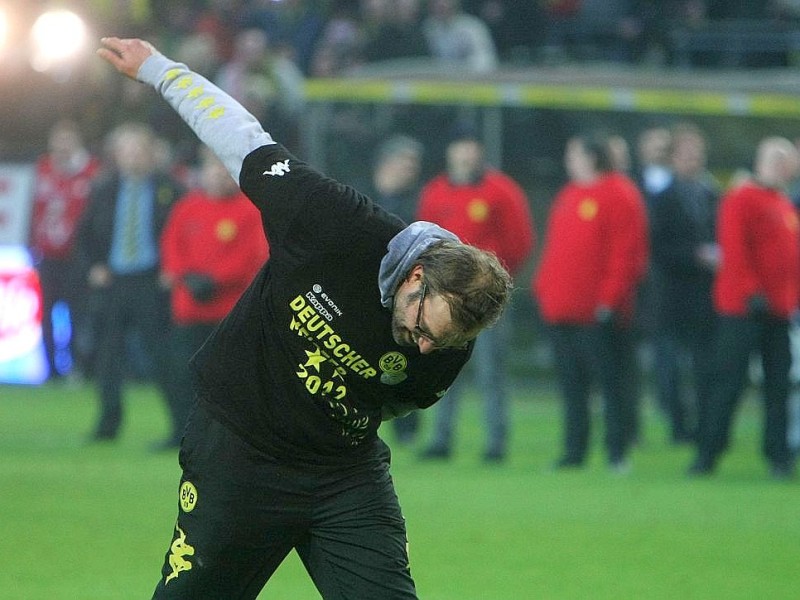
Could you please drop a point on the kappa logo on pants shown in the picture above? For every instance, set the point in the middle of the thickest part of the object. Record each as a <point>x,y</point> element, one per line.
<point>178,553</point>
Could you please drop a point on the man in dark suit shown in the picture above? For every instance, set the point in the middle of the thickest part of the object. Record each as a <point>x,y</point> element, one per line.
<point>119,247</point>
<point>684,260</point>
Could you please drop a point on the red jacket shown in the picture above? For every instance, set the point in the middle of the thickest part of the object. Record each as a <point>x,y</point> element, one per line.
<point>221,238</point>
<point>595,251</point>
<point>491,214</point>
<point>58,203</point>
<point>758,234</point>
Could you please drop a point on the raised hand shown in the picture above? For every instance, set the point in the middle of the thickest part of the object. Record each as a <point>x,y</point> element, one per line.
<point>126,55</point>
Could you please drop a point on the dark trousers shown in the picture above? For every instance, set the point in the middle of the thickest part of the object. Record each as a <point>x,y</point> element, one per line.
<point>585,355</point>
<point>737,339</point>
<point>488,366</point>
<point>240,512</point>
<point>133,304</point>
<point>675,354</point>
<point>186,340</point>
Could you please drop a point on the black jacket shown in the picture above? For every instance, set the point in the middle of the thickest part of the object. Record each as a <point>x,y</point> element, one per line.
<point>96,227</point>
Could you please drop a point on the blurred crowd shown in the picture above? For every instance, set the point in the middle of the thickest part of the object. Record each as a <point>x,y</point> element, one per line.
<point>263,50</point>
<point>329,36</point>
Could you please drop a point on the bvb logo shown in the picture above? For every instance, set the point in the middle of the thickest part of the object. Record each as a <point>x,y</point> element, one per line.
<point>393,365</point>
<point>791,221</point>
<point>587,210</point>
<point>226,230</point>
<point>478,210</point>
<point>188,496</point>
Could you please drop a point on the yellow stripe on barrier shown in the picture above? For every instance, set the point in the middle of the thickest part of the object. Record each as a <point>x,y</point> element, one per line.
<point>566,97</point>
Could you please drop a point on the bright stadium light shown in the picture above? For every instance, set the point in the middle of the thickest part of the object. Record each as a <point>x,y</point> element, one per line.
<point>57,37</point>
<point>3,30</point>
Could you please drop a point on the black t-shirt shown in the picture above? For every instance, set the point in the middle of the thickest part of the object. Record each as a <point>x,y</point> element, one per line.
<point>303,363</point>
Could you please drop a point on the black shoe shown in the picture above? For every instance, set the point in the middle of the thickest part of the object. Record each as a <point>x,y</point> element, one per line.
<point>701,467</point>
<point>166,445</point>
<point>567,463</point>
<point>781,471</point>
<point>102,436</point>
<point>619,466</point>
<point>405,438</point>
<point>682,437</point>
<point>494,456</point>
<point>435,453</point>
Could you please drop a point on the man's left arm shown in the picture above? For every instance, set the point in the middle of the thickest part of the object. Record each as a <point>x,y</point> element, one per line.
<point>217,119</point>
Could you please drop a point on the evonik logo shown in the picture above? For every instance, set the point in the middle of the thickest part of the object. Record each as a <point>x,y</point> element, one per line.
<point>280,168</point>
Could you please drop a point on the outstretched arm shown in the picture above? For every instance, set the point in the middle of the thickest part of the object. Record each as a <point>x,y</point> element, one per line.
<point>217,119</point>
<point>126,56</point>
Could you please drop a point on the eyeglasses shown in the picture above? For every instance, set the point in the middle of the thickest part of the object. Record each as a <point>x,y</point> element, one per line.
<point>418,330</point>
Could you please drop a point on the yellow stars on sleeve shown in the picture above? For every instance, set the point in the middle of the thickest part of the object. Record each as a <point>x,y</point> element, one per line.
<point>185,82</point>
<point>208,102</point>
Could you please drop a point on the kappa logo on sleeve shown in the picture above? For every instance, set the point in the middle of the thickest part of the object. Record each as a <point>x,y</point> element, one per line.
<point>279,169</point>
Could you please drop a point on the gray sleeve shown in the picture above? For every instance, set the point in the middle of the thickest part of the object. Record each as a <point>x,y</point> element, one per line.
<point>218,120</point>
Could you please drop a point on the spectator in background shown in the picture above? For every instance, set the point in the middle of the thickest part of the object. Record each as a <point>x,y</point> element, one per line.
<point>128,14</point>
<point>593,259</point>
<point>392,30</point>
<point>118,243</point>
<point>609,29</point>
<point>653,169</point>
<point>622,163</point>
<point>515,26</point>
<point>684,259</point>
<point>396,175</point>
<point>295,25</point>
<point>458,39</point>
<point>340,46</point>
<point>756,293</point>
<point>268,84</point>
<point>559,21</point>
<point>396,187</point>
<point>488,209</point>
<point>63,178</point>
<point>620,154</point>
<point>652,174</point>
<point>199,50</point>
<point>211,247</point>
<point>787,10</point>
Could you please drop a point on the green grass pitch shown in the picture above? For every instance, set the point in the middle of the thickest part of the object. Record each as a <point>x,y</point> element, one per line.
<point>93,522</point>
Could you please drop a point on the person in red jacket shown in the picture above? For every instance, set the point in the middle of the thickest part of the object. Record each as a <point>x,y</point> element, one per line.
<point>594,257</point>
<point>486,208</point>
<point>756,294</point>
<point>63,178</point>
<point>212,247</point>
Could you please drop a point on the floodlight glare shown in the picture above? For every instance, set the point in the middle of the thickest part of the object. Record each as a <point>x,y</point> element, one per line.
<point>3,29</point>
<point>57,37</point>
